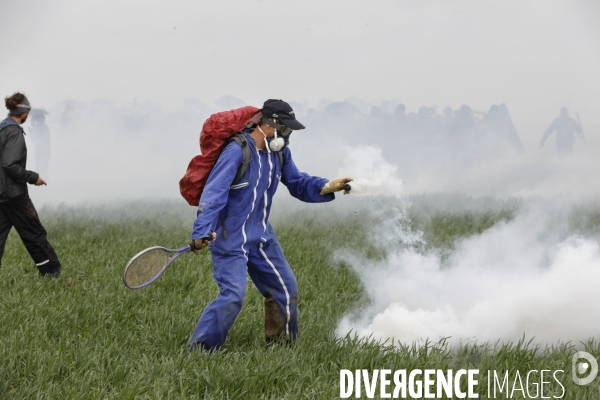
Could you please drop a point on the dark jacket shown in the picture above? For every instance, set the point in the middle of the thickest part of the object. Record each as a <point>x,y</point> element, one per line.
<point>13,160</point>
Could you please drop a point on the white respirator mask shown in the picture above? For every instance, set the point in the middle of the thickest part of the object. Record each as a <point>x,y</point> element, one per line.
<point>281,139</point>
<point>277,143</point>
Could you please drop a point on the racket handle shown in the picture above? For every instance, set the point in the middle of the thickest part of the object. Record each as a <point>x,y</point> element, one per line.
<point>208,238</point>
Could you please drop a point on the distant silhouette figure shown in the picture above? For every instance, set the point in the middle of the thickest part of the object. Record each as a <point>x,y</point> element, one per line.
<point>400,111</point>
<point>426,122</point>
<point>400,119</point>
<point>40,135</point>
<point>448,115</point>
<point>446,121</point>
<point>565,128</point>
<point>462,130</point>
<point>497,124</point>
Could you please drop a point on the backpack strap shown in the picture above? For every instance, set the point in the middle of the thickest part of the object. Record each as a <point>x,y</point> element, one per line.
<point>240,139</point>
<point>280,155</point>
<point>255,120</point>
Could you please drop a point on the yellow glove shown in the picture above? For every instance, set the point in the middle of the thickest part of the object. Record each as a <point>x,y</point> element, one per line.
<point>335,186</point>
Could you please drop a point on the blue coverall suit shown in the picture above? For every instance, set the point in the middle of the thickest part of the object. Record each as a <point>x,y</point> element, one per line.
<point>239,214</point>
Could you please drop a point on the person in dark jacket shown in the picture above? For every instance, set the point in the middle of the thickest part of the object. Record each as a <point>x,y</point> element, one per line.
<point>565,128</point>
<point>16,208</point>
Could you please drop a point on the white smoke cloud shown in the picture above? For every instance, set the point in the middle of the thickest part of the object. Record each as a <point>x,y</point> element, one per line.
<point>523,277</point>
<point>373,176</point>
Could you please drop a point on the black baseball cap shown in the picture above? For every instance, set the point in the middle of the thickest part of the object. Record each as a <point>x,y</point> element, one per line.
<point>282,111</point>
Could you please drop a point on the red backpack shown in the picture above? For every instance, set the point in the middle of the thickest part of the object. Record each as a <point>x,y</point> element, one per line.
<point>218,130</point>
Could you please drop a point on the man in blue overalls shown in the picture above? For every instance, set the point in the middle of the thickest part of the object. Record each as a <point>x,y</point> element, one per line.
<point>245,241</point>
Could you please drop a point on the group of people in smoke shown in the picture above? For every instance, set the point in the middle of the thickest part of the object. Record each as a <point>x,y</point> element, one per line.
<point>463,131</point>
<point>462,126</point>
<point>442,131</point>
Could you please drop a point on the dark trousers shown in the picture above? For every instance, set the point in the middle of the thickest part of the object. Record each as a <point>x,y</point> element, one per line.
<point>21,213</point>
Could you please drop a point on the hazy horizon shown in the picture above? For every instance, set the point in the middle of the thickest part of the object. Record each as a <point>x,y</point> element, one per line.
<point>141,79</point>
<point>533,55</point>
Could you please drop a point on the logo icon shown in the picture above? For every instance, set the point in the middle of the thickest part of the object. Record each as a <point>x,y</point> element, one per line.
<point>581,368</point>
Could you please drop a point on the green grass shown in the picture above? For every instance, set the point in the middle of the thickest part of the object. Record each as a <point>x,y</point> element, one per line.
<point>96,339</point>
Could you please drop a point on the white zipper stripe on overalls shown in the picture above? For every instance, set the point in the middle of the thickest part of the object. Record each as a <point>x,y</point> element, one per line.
<point>266,200</point>
<point>287,295</point>
<point>252,209</point>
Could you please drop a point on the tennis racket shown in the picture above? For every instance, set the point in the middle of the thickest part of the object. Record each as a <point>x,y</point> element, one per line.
<point>148,265</point>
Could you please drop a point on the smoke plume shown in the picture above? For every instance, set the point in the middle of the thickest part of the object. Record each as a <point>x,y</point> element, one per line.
<point>526,277</point>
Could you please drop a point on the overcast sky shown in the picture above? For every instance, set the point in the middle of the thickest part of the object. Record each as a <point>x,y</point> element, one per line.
<point>535,55</point>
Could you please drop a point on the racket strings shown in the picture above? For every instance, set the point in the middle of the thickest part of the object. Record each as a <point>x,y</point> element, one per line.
<point>145,267</point>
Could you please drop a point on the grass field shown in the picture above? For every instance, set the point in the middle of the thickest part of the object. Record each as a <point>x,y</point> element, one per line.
<point>95,339</point>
